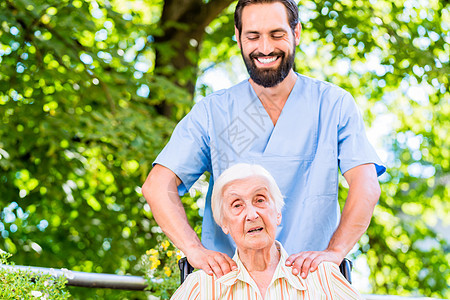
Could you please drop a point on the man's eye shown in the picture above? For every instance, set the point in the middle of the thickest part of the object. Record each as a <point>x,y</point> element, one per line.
<point>278,36</point>
<point>253,37</point>
<point>260,200</point>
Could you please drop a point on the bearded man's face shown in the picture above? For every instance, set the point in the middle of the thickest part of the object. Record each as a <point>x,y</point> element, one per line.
<point>267,43</point>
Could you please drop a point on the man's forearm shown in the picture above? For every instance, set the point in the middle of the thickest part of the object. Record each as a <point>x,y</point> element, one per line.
<point>363,195</point>
<point>160,191</point>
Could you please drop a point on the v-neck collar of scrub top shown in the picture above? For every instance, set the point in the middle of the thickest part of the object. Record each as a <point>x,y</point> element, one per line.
<point>261,106</point>
<point>276,134</point>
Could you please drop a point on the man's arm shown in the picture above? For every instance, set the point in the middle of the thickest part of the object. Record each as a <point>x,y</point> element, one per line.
<point>160,191</point>
<point>363,194</point>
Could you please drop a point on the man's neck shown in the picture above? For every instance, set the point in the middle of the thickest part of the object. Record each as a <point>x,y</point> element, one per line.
<point>274,98</point>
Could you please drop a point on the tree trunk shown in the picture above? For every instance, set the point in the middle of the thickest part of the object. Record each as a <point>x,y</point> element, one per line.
<point>183,23</point>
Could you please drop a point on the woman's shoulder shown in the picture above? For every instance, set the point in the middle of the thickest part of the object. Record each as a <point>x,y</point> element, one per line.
<point>324,270</point>
<point>197,284</point>
<point>190,288</point>
<point>198,276</point>
<point>201,278</point>
<point>331,279</point>
<point>326,265</point>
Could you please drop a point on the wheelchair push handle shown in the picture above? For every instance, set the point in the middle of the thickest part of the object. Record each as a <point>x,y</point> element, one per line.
<point>185,268</point>
<point>346,269</point>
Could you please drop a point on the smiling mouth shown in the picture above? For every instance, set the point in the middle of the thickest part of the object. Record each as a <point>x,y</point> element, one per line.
<point>266,59</point>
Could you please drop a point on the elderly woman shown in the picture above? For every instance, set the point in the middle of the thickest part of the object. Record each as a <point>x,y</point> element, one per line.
<point>247,203</point>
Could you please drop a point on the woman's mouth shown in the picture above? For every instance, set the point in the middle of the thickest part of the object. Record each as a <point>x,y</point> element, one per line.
<point>255,230</point>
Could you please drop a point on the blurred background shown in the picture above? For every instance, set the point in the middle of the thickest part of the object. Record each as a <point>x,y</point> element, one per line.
<point>90,92</point>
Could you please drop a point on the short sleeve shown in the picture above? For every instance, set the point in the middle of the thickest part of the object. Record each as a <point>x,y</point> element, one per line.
<point>189,290</point>
<point>187,152</point>
<point>354,148</point>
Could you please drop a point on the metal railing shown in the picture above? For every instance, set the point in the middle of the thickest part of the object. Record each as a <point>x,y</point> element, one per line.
<point>137,283</point>
<point>91,280</point>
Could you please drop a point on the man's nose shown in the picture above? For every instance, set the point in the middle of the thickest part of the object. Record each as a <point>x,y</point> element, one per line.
<point>265,45</point>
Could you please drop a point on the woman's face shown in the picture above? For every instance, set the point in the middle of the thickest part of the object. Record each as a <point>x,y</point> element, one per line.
<point>249,213</point>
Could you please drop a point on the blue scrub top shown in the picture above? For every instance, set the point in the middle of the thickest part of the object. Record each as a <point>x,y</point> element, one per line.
<point>319,130</point>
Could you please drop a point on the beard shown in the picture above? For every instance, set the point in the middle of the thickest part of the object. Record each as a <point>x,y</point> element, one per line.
<point>269,77</point>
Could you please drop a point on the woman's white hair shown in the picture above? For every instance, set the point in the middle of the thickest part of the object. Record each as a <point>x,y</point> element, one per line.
<point>242,171</point>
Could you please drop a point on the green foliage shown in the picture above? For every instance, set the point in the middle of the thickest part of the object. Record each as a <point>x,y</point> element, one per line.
<point>82,118</point>
<point>26,285</point>
<point>78,133</point>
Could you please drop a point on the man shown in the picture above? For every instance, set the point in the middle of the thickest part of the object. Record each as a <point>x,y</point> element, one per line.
<point>300,129</point>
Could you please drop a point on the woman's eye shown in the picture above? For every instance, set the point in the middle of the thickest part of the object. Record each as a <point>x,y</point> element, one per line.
<point>236,205</point>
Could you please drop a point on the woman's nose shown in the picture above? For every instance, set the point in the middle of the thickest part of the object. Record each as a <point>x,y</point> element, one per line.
<point>251,213</point>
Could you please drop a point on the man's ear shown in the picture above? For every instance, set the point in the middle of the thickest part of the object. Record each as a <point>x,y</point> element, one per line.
<point>297,31</point>
<point>238,37</point>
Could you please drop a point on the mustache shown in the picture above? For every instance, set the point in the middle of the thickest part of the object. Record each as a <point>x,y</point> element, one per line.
<point>259,54</point>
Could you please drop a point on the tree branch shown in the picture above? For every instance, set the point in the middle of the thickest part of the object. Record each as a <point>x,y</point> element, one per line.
<point>214,8</point>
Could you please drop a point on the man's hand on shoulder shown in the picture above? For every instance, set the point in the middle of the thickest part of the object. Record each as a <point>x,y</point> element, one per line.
<point>304,262</point>
<point>211,262</point>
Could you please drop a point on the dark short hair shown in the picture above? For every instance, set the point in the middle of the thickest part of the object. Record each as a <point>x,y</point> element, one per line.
<point>291,8</point>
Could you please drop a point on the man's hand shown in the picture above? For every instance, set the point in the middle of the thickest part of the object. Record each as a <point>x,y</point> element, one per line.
<point>304,262</point>
<point>211,262</point>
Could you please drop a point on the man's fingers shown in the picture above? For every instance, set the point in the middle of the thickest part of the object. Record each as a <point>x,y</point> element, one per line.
<point>231,263</point>
<point>223,263</point>
<point>226,263</point>
<point>296,261</point>
<point>212,262</point>
<point>304,262</point>
<point>204,265</point>
<point>303,266</point>
<point>215,267</point>
<point>207,269</point>
<point>315,263</point>
<point>292,258</point>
